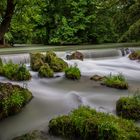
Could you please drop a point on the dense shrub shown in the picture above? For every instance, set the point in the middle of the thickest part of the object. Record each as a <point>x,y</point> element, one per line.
<point>87,124</point>
<point>15,72</point>
<point>45,71</point>
<point>12,99</point>
<point>116,81</point>
<point>135,55</point>
<point>58,64</point>
<point>73,73</point>
<point>129,107</point>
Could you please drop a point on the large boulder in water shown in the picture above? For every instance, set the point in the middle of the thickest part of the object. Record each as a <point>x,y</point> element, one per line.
<point>75,55</point>
<point>12,99</point>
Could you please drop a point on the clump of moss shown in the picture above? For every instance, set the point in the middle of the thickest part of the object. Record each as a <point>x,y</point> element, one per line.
<point>87,124</point>
<point>49,56</point>
<point>15,71</point>
<point>12,99</point>
<point>36,61</point>
<point>129,107</point>
<point>116,81</point>
<point>45,71</point>
<point>135,55</point>
<point>58,64</point>
<point>73,73</point>
<point>55,63</point>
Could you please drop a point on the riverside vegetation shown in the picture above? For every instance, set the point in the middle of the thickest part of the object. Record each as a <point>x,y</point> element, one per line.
<point>17,72</point>
<point>129,107</point>
<point>12,99</point>
<point>73,73</point>
<point>85,124</point>
<point>115,81</point>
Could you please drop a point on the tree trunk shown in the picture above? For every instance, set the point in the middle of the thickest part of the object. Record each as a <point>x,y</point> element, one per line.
<point>2,41</point>
<point>5,24</point>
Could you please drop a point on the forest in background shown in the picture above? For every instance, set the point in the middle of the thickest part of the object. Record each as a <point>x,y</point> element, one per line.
<point>69,21</point>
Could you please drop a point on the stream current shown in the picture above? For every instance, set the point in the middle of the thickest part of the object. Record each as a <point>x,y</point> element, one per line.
<point>57,96</point>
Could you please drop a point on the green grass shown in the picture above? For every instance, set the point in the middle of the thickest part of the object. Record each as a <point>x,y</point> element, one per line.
<point>42,48</point>
<point>116,81</point>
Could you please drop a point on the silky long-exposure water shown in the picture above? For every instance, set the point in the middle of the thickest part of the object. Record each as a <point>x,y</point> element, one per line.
<point>59,95</point>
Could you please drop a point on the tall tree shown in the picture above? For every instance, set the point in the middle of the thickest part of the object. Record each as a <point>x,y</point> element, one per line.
<point>6,16</point>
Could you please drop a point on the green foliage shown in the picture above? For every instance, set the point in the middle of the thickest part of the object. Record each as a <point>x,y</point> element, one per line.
<point>13,98</point>
<point>116,81</point>
<point>23,73</point>
<point>15,72</point>
<point>127,21</point>
<point>129,107</point>
<point>45,71</point>
<point>73,73</point>
<point>132,34</point>
<point>85,124</point>
<point>10,70</point>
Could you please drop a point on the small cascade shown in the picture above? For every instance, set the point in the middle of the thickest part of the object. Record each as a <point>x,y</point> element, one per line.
<point>16,58</point>
<point>101,53</point>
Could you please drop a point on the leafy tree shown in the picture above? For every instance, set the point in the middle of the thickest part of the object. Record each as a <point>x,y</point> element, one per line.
<point>127,20</point>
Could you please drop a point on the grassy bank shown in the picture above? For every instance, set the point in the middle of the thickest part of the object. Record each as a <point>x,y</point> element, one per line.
<point>41,48</point>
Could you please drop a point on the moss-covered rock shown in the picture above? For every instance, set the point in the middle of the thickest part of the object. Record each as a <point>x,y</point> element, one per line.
<point>73,73</point>
<point>12,99</point>
<point>45,71</point>
<point>36,61</point>
<point>58,64</point>
<point>22,73</point>
<point>15,72</point>
<point>115,81</point>
<point>35,135</point>
<point>129,107</point>
<point>87,124</point>
<point>49,56</point>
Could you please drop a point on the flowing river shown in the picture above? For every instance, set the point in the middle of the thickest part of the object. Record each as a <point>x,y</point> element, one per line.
<point>59,95</point>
